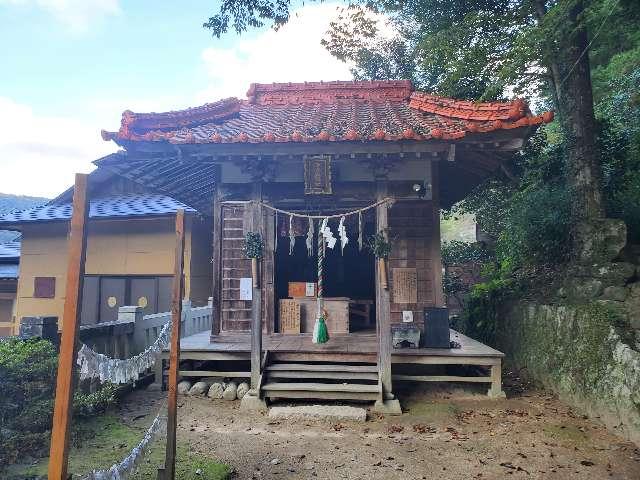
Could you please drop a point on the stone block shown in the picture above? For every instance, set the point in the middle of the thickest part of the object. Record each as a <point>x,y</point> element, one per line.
<point>40,327</point>
<point>230,392</point>
<point>387,407</point>
<point>619,294</point>
<point>199,388</point>
<point>215,391</point>
<point>243,388</point>
<point>184,387</point>
<point>319,412</point>
<point>252,403</point>
<point>633,305</point>
<point>603,241</point>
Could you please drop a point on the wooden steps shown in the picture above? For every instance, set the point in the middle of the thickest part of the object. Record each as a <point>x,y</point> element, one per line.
<point>321,381</point>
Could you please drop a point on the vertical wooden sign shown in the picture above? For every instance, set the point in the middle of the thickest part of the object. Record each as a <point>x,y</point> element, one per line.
<point>63,409</point>
<point>169,470</point>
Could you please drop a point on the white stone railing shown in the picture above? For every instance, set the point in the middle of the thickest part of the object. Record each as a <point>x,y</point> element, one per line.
<point>148,327</point>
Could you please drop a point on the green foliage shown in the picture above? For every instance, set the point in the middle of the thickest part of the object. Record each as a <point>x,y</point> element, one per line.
<point>244,14</point>
<point>101,441</point>
<point>27,382</point>
<point>538,228</point>
<point>463,252</point>
<point>379,245</point>
<point>619,111</point>
<point>253,245</point>
<point>480,317</point>
<point>90,404</point>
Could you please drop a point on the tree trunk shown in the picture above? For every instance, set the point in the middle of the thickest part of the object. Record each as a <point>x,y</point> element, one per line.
<point>571,75</point>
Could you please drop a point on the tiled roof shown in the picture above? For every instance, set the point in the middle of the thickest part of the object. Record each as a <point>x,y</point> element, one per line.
<point>9,270</point>
<point>130,205</point>
<point>9,250</point>
<point>327,111</point>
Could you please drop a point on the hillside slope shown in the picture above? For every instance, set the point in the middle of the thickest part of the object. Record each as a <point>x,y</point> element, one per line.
<point>10,202</point>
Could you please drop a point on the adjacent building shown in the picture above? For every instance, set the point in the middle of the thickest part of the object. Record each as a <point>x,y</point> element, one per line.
<point>130,247</point>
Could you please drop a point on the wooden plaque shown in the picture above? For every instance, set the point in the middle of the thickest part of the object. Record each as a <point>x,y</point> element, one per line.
<point>405,285</point>
<point>289,316</point>
<point>317,175</point>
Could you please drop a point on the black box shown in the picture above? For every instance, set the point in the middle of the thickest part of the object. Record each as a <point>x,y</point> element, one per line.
<point>436,328</point>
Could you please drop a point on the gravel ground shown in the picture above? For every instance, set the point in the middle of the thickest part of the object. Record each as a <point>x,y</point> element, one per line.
<point>445,434</point>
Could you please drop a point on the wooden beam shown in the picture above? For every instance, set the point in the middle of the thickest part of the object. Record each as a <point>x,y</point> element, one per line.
<point>63,410</point>
<point>441,378</point>
<point>168,473</point>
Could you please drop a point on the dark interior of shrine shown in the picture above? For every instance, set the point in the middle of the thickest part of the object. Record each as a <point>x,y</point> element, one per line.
<point>348,273</point>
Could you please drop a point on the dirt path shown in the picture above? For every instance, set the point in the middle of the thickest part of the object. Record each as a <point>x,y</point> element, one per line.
<point>442,435</point>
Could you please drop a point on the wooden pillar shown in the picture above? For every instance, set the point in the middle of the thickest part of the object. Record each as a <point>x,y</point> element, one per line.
<point>63,410</point>
<point>256,299</point>
<point>268,268</point>
<point>435,237</point>
<point>383,314</point>
<point>168,473</point>
<point>216,261</point>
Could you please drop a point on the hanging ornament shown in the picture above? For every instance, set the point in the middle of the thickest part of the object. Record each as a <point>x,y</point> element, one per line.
<point>342,233</point>
<point>310,234</point>
<point>292,235</point>
<point>328,234</point>
<point>360,241</point>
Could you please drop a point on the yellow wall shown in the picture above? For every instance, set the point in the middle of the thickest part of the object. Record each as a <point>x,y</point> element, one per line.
<point>114,247</point>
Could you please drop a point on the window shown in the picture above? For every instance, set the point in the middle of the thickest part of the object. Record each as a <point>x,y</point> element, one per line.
<point>44,287</point>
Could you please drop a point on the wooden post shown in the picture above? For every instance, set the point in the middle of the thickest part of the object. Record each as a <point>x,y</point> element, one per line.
<point>387,403</point>
<point>382,299</point>
<point>436,257</point>
<point>216,261</point>
<point>168,473</point>
<point>63,410</point>
<point>256,299</point>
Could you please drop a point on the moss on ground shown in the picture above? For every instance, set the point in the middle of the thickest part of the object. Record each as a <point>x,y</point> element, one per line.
<point>105,440</point>
<point>432,411</point>
<point>566,434</point>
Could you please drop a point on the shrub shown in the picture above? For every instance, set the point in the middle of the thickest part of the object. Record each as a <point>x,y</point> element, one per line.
<point>27,384</point>
<point>463,252</point>
<point>539,228</point>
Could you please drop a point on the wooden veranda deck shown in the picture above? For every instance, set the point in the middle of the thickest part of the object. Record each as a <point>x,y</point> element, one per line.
<point>350,348</point>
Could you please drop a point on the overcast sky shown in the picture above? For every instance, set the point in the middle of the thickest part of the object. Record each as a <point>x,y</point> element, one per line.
<point>68,68</point>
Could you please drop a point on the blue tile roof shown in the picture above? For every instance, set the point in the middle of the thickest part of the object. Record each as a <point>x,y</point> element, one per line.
<point>9,251</point>
<point>9,270</point>
<point>130,205</point>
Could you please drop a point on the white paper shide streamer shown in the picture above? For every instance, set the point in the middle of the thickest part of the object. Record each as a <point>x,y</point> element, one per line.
<point>310,234</point>
<point>292,236</point>
<point>122,470</point>
<point>326,232</point>
<point>96,365</point>
<point>342,233</point>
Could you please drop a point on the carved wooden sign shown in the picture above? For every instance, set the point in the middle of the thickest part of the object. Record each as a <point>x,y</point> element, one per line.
<point>289,316</point>
<point>317,175</point>
<point>405,285</point>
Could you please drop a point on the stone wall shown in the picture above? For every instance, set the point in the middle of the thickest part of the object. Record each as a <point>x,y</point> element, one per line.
<point>582,352</point>
<point>580,337</point>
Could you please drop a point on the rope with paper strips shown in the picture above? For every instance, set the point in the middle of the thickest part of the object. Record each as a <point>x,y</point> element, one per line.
<point>122,470</point>
<point>97,365</point>
<point>342,231</point>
